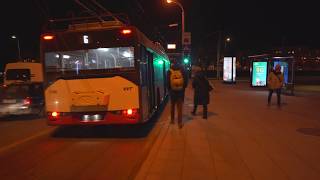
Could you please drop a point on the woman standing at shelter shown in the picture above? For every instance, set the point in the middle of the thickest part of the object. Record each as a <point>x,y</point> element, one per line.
<point>202,90</point>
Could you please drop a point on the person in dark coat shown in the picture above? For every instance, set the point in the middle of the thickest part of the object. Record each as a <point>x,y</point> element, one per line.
<point>202,90</point>
<point>176,96</point>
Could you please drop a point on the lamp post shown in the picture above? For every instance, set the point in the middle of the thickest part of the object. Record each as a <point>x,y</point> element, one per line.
<point>182,17</point>
<point>227,40</point>
<point>18,43</point>
<point>219,32</point>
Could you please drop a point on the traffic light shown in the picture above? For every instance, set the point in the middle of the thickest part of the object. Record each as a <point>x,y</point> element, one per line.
<point>186,60</point>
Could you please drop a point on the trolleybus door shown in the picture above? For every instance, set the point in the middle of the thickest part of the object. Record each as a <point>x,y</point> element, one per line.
<point>151,91</point>
<point>164,79</point>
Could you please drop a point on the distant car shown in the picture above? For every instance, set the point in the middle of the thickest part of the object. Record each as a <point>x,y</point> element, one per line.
<point>22,99</point>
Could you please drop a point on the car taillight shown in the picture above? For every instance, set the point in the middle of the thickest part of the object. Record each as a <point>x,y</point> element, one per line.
<point>27,101</point>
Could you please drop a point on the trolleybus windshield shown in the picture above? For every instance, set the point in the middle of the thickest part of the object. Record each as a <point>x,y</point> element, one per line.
<point>72,55</point>
<point>91,59</point>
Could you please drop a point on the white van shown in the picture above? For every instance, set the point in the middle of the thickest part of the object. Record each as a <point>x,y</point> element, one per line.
<point>20,72</point>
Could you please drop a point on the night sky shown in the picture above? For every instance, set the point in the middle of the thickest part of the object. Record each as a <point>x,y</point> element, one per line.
<point>252,25</point>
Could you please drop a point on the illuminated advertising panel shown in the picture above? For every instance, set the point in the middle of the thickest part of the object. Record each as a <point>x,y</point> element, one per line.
<point>284,69</point>
<point>234,68</point>
<point>229,69</point>
<point>259,74</point>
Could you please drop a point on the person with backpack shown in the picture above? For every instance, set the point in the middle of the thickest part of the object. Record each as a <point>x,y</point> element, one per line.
<point>202,89</point>
<point>275,83</point>
<point>177,82</point>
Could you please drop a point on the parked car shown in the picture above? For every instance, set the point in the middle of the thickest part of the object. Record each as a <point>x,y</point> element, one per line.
<point>21,99</point>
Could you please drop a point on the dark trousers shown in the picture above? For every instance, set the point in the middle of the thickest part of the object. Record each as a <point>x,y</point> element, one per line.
<point>205,110</point>
<point>176,102</point>
<point>278,91</point>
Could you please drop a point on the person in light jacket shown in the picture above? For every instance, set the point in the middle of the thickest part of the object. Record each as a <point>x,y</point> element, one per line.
<point>275,83</point>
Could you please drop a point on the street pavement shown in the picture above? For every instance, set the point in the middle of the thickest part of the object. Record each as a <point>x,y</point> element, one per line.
<point>29,149</point>
<point>19,129</point>
<point>242,138</point>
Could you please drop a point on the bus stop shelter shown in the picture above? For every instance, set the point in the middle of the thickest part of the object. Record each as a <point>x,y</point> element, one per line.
<point>261,66</point>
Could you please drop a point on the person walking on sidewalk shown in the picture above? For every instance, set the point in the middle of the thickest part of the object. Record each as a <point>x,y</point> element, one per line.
<point>177,82</point>
<point>202,90</point>
<point>275,83</point>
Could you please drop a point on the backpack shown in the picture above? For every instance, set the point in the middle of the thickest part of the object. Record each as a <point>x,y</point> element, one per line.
<point>176,80</point>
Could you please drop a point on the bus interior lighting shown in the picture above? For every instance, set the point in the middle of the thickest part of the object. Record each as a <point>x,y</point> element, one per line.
<point>103,49</point>
<point>66,56</point>
<point>127,54</point>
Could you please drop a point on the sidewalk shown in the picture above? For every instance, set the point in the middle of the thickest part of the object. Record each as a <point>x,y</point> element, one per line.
<point>242,139</point>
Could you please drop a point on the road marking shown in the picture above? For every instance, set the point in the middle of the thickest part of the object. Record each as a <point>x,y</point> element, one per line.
<point>7,147</point>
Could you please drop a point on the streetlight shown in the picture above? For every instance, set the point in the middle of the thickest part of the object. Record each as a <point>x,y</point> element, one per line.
<point>15,37</point>
<point>182,17</point>
<point>228,39</point>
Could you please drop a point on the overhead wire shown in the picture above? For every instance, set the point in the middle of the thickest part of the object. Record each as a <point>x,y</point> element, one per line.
<point>89,10</point>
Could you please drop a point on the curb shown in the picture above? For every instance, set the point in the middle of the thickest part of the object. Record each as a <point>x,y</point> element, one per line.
<point>149,144</point>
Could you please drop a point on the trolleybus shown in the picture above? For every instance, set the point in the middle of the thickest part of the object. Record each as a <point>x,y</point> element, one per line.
<point>102,73</point>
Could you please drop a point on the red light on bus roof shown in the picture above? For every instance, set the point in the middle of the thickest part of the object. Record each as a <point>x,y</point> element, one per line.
<point>48,37</point>
<point>126,31</point>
